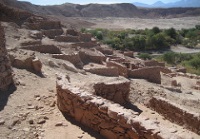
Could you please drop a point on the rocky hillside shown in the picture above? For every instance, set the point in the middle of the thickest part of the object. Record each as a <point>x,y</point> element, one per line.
<point>101,10</point>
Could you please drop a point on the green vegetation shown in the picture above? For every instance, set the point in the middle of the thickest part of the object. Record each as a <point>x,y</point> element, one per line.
<point>148,39</point>
<point>145,56</point>
<point>190,61</point>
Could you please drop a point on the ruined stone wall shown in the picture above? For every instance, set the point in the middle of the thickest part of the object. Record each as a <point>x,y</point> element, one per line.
<point>104,71</point>
<point>175,113</point>
<point>153,63</point>
<point>73,58</point>
<point>152,74</point>
<point>117,91</point>
<point>67,38</point>
<point>123,71</point>
<point>51,33</point>
<point>5,67</point>
<point>107,118</point>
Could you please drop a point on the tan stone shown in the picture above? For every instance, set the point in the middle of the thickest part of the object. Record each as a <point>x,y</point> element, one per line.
<point>37,65</point>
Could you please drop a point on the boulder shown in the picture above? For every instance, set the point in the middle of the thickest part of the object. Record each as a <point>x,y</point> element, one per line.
<point>37,65</point>
<point>28,61</point>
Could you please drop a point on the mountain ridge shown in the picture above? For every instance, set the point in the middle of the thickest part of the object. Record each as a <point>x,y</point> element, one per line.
<point>125,10</point>
<point>160,4</point>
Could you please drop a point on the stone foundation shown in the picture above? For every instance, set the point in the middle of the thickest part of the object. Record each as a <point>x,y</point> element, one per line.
<point>73,58</point>
<point>104,71</point>
<point>105,117</point>
<point>152,74</point>
<point>117,91</point>
<point>5,67</point>
<point>67,38</point>
<point>123,71</point>
<point>176,113</point>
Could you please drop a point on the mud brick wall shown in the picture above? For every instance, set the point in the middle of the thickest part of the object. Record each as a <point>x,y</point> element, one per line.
<point>5,67</point>
<point>176,113</point>
<point>117,91</point>
<point>107,118</point>
<point>152,74</point>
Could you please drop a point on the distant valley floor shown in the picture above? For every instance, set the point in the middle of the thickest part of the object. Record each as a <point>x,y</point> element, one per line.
<point>132,23</point>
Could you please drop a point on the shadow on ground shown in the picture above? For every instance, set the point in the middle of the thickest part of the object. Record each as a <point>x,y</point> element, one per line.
<point>133,107</point>
<point>93,133</point>
<point>4,95</point>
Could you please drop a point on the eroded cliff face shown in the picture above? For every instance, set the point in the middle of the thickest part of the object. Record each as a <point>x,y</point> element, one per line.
<point>5,67</point>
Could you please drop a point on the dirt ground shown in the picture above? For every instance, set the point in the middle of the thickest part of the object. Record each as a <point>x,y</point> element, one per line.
<point>139,23</point>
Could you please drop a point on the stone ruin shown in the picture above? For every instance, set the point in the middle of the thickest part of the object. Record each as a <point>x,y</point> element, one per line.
<point>6,77</point>
<point>109,119</point>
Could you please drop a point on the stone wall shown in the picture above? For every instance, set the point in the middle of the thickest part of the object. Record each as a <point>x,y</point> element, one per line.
<point>74,58</point>
<point>153,63</point>
<point>5,67</point>
<point>88,56</point>
<point>106,117</point>
<point>123,71</point>
<point>152,74</point>
<point>67,38</point>
<point>51,49</point>
<point>117,91</point>
<point>176,113</point>
<point>104,71</point>
<point>52,33</point>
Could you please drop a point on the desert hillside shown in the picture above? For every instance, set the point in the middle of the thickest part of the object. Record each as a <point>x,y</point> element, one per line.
<point>102,10</point>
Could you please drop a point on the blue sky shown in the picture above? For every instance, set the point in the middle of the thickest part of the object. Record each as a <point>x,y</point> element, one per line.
<point>52,2</point>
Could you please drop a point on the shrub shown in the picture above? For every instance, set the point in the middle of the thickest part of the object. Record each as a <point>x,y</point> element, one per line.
<point>145,56</point>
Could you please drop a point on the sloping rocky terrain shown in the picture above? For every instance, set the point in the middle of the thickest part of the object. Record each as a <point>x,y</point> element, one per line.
<point>101,10</point>
<point>68,85</point>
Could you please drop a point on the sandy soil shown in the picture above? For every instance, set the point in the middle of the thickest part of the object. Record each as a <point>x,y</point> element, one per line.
<point>138,23</point>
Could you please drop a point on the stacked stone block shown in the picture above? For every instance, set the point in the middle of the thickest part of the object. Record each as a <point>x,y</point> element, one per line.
<point>5,67</point>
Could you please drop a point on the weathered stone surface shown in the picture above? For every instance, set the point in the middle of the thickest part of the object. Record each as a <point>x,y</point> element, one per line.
<point>5,67</point>
<point>104,71</point>
<point>85,44</point>
<point>128,53</point>
<point>37,65</point>
<point>67,38</point>
<point>106,51</point>
<point>117,91</point>
<point>176,113</point>
<point>26,61</point>
<point>52,33</point>
<point>35,34</point>
<point>72,32</point>
<point>51,49</point>
<point>74,58</point>
<point>151,63</point>
<point>152,74</point>
<point>123,71</point>
<point>85,37</point>
<point>38,23</point>
<point>107,118</point>
<point>88,56</point>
